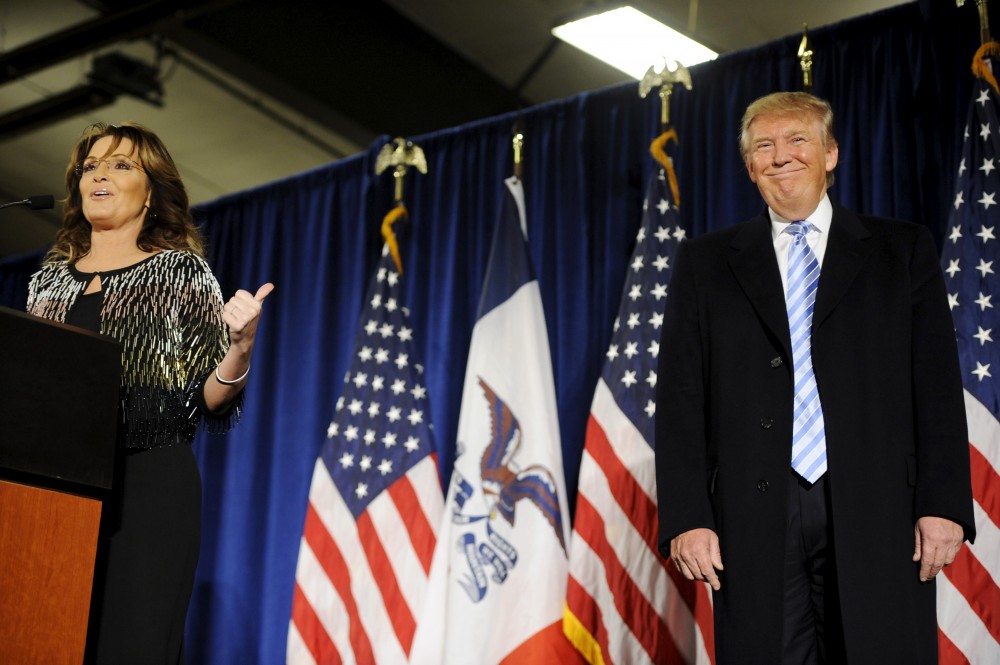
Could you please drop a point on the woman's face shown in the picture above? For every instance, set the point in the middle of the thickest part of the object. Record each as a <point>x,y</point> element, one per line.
<point>113,187</point>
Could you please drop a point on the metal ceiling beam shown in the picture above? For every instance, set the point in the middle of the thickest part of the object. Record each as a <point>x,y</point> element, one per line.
<point>75,101</point>
<point>91,35</point>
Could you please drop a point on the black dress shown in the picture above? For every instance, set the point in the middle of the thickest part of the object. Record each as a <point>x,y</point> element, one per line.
<point>151,534</point>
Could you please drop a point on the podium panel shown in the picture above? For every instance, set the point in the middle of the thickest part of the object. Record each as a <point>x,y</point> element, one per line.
<point>58,400</point>
<point>58,425</point>
<point>48,544</point>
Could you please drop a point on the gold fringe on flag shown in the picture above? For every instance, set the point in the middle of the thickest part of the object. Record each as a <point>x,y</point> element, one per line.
<point>981,68</point>
<point>657,149</point>
<point>581,638</point>
<point>391,218</point>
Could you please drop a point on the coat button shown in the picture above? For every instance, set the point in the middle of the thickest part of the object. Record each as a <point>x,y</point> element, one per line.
<point>766,423</point>
<point>761,485</point>
<point>776,362</point>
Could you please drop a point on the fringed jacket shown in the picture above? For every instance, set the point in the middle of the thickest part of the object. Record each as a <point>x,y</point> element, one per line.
<point>166,312</point>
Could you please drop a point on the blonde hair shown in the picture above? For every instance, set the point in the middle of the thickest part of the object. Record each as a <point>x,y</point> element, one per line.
<point>168,223</point>
<point>789,103</point>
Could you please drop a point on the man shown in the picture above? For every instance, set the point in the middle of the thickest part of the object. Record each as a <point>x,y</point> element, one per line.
<point>811,453</point>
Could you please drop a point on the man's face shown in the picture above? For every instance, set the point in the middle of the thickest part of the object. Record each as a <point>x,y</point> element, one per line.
<point>788,161</point>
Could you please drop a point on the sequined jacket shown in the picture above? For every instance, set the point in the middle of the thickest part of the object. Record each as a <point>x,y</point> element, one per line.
<point>166,312</point>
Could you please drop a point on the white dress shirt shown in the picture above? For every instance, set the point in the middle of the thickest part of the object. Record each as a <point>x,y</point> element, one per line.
<point>821,219</point>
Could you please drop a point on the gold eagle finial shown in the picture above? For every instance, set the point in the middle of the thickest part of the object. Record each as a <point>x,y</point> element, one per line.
<point>401,154</point>
<point>665,78</point>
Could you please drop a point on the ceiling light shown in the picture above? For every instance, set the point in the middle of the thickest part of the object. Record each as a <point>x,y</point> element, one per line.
<point>628,40</point>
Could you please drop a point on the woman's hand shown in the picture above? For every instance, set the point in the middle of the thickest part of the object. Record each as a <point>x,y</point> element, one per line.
<point>242,313</point>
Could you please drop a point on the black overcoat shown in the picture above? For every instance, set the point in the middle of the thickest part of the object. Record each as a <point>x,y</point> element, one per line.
<point>886,365</point>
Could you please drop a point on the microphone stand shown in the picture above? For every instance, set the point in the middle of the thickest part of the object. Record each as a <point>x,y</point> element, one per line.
<point>33,202</point>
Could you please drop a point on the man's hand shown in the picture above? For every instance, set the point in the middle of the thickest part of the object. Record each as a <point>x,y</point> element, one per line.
<point>936,543</point>
<point>697,555</point>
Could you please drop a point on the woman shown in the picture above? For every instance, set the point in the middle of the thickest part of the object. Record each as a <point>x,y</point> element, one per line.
<point>128,263</point>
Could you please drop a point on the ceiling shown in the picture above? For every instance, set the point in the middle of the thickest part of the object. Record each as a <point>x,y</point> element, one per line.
<point>245,92</point>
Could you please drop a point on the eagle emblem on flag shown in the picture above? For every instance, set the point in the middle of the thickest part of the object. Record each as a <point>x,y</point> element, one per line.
<point>492,555</point>
<point>503,483</point>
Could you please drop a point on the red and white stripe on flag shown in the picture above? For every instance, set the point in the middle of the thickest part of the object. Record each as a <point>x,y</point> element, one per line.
<point>357,580</point>
<point>625,603</point>
<point>375,501</point>
<point>968,591</point>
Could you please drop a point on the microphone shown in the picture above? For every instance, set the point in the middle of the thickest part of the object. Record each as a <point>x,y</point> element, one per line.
<point>43,202</point>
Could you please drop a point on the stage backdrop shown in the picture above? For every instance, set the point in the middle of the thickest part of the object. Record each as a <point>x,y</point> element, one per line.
<point>899,84</point>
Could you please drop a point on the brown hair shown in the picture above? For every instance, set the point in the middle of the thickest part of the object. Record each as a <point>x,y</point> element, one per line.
<point>789,103</point>
<point>168,223</point>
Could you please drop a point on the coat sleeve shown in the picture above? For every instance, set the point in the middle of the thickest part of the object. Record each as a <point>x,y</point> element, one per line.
<point>943,485</point>
<point>205,340</point>
<point>681,410</point>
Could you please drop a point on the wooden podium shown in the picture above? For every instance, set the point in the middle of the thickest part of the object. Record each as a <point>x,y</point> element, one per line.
<point>58,413</point>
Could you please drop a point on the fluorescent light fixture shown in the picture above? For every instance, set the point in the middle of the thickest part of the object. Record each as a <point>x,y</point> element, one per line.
<point>631,41</point>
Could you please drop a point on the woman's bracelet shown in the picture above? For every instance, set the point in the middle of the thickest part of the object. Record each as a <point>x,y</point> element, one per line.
<point>229,383</point>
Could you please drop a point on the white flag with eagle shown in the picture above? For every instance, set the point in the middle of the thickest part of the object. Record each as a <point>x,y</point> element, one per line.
<point>498,576</point>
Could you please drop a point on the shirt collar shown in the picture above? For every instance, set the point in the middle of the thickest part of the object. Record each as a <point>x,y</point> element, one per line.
<point>821,218</point>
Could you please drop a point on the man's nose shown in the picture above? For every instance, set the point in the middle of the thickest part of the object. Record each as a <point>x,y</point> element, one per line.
<point>781,154</point>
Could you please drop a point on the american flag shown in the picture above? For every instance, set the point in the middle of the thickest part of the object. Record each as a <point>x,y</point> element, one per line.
<point>375,502</point>
<point>968,592</point>
<point>624,602</point>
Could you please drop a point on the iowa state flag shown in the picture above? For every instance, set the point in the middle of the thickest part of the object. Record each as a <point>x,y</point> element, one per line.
<point>498,577</point>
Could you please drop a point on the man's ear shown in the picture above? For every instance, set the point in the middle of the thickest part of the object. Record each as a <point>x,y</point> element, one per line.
<point>832,155</point>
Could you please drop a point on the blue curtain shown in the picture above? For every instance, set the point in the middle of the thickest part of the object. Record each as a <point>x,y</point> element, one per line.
<point>15,272</point>
<point>899,82</point>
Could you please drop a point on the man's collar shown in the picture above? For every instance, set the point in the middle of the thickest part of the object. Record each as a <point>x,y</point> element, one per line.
<point>821,217</point>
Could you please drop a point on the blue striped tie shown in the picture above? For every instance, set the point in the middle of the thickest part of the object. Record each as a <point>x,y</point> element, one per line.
<point>808,435</point>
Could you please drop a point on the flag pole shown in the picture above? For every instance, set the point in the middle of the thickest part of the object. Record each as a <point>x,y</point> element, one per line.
<point>665,79</point>
<point>375,481</point>
<point>981,66</point>
<point>615,613</point>
<point>401,154</point>
<point>518,141</point>
<point>806,59</point>
<point>984,20</point>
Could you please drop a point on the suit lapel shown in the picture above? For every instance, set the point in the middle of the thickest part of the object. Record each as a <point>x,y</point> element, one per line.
<point>846,251</point>
<point>753,263</point>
